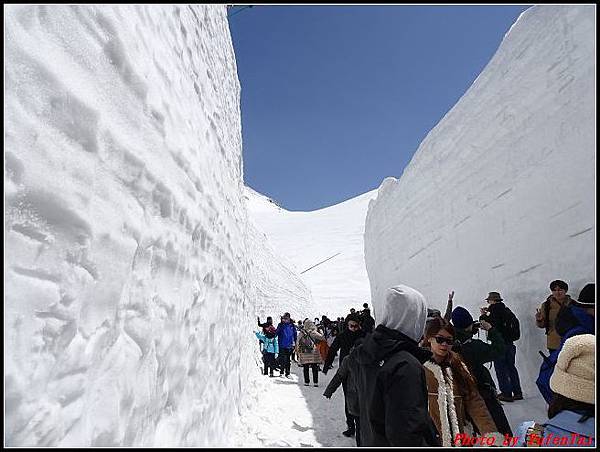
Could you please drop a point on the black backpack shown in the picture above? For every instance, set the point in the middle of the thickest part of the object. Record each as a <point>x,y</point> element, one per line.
<point>511,329</point>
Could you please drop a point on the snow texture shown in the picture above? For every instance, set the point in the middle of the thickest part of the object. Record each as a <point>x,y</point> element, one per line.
<point>129,300</point>
<point>329,240</point>
<point>500,194</point>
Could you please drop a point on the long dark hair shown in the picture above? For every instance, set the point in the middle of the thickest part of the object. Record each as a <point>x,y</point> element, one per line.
<point>460,370</point>
<point>560,403</point>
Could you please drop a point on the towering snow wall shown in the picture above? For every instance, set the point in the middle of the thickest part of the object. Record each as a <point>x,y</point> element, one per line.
<point>500,194</point>
<point>128,304</point>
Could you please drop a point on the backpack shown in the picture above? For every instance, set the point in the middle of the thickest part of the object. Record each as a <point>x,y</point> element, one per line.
<point>306,344</point>
<point>511,329</point>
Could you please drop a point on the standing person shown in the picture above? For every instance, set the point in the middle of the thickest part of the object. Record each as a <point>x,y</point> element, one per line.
<point>344,377</point>
<point>286,335</point>
<point>367,322</point>
<point>571,414</point>
<point>576,319</point>
<point>475,354</point>
<point>264,326</point>
<point>344,342</point>
<point>308,351</point>
<point>453,394</point>
<point>271,348</point>
<point>389,376</point>
<point>502,318</point>
<point>547,312</point>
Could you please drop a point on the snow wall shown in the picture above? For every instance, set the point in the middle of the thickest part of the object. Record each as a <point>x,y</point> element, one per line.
<point>500,194</point>
<point>129,303</point>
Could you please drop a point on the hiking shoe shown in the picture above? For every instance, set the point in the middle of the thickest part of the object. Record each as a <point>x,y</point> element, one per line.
<point>306,384</point>
<point>350,432</point>
<point>281,374</point>
<point>505,398</point>
<point>316,385</point>
<point>518,397</point>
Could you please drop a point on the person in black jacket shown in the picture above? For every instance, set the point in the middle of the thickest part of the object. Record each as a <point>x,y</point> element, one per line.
<point>476,353</point>
<point>390,378</point>
<point>367,321</point>
<point>506,371</point>
<point>344,342</point>
<point>344,377</point>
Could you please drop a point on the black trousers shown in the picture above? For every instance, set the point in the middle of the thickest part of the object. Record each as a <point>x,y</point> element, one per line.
<point>315,372</point>
<point>284,356</point>
<point>269,359</point>
<point>497,413</point>
<point>357,434</point>
<point>351,421</point>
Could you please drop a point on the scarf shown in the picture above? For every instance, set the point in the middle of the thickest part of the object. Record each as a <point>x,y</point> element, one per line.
<point>445,402</point>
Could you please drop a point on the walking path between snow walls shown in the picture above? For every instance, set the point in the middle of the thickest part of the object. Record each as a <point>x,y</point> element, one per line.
<point>130,294</point>
<point>500,194</point>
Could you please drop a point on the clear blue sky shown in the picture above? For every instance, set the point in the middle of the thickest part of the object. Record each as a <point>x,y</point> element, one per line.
<point>336,98</point>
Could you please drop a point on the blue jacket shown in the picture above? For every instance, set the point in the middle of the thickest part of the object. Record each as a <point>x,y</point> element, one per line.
<point>271,345</point>
<point>562,430</point>
<point>286,333</point>
<point>585,324</point>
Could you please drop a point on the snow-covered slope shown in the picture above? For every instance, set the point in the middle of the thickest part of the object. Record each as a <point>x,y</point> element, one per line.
<point>308,238</point>
<point>500,194</point>
<point>130,291</point>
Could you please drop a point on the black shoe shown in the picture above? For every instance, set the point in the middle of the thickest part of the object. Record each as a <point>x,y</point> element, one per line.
<point>518,397</point>
<point>350,432</point>
<point>504,398</point>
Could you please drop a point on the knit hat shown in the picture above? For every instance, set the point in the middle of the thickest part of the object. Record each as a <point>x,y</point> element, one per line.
<point>560,284</point>
<point>495,296</point>
<point>587,297</point>
<point>461,318</point>
<point>574,374</point>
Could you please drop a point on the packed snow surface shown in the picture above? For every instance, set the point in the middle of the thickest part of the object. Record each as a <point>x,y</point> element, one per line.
<point>500,194</point>
<point>131,269</point>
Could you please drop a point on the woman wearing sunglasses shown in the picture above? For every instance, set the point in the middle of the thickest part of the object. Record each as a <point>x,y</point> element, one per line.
<point>453,396</point>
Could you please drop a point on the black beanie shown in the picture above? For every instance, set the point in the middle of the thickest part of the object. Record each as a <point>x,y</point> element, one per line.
<point>561,284</point>
<point>587,296</point>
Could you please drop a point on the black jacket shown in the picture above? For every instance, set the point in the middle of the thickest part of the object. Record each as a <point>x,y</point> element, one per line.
<point>392,391</point>
<point>342,342</point>
<point>342,375</point>
<point>496,316</point>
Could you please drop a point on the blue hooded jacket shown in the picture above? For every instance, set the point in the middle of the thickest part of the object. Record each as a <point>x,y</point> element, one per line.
<point>286,334</point>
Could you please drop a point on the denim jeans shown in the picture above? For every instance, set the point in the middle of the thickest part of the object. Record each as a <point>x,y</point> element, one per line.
<point>507,374</point>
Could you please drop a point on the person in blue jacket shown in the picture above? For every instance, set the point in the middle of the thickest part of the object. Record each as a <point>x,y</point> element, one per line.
<point>270,348</point>
<point>286,335</point>
<point>578,318</point>
<point>571,414</point>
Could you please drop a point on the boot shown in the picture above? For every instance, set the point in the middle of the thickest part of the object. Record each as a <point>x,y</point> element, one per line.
<point>350,432</point>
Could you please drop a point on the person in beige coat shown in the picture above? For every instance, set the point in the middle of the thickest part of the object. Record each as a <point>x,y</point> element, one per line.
<point>307,350</point>
<point>453,396</point>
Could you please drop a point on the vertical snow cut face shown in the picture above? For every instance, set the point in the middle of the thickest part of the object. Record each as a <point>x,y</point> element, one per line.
<point>500,194</point>
<point>126,231</point>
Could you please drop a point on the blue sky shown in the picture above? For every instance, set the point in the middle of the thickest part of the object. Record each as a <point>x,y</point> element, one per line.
<point>336,98</point>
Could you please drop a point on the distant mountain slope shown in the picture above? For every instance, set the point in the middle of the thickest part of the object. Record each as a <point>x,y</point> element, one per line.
<point>308,238</point>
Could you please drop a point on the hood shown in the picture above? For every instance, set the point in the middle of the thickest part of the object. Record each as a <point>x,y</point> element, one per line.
<point>384,342</point>
<point>404,310</point>
<point>309,325</point>
<point>586,321</point>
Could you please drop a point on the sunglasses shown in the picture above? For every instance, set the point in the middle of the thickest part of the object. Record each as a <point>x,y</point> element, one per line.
<point>444,340</point>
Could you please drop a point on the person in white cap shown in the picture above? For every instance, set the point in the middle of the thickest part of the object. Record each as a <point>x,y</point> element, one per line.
<point>571,412</point>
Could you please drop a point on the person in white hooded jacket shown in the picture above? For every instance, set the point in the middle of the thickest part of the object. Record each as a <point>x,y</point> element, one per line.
<point>389,376</point>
